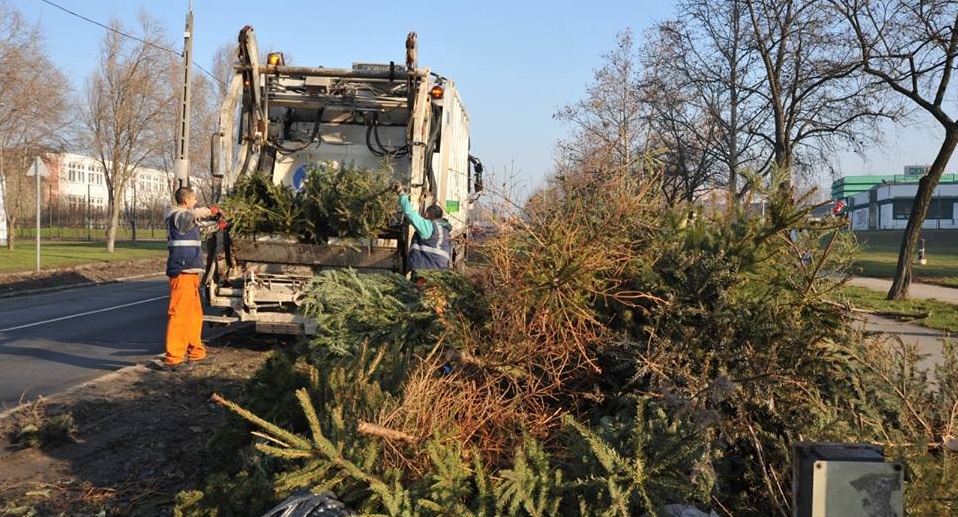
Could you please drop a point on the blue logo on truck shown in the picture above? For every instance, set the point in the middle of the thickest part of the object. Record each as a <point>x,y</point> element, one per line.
<point>299,177</point>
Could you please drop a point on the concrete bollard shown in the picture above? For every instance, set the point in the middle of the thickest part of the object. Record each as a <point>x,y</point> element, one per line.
<point>921,252</point>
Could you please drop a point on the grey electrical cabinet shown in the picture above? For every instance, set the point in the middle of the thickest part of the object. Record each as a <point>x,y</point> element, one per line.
<point>845,480</point>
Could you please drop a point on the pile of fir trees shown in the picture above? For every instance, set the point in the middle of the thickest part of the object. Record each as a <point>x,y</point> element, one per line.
<point>334,201</point>
<point>614,356</point>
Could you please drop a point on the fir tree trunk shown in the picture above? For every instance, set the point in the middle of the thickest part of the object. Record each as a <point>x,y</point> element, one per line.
<point>919,209</point>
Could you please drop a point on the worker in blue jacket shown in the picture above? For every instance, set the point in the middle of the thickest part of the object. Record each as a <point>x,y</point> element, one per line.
<point>432,243</point>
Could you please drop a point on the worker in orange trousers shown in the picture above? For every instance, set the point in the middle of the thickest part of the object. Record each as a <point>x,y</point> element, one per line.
<point>184,266</point>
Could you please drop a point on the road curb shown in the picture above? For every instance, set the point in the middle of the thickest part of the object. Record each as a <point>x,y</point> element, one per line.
<point>56,288</point>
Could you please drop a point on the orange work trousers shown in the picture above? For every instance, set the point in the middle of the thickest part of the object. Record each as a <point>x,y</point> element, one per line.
<point>185,325</point>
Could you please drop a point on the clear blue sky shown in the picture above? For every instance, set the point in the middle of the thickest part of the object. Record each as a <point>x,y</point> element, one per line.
<point>515,62</point>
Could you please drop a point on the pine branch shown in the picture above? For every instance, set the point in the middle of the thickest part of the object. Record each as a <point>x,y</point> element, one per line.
<point>278,432</point>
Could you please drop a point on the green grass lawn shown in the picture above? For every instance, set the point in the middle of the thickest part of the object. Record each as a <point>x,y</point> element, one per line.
<point>879,256</point>
<point>941,315</point>
<point>55,254</point>
<point>98,234</point>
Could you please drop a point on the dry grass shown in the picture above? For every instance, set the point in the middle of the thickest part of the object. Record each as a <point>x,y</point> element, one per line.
<point>36,425</point>
<point>511,377</point>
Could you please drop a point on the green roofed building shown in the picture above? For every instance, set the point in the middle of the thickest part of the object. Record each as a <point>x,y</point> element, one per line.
<point>848,186</point>
<point>884,202</point>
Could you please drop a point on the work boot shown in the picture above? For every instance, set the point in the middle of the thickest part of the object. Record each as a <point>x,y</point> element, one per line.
<point>161,366</point>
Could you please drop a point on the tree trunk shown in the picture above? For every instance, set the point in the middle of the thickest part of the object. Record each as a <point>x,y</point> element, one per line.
<point>11,228</point>
<point>733,149</point>
<point>111,227</point>
<point>919,209</point>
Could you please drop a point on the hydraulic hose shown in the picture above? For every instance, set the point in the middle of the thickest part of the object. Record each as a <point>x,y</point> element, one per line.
<point>372,130</point>
<point>312,137</point>
<point>431,148</point>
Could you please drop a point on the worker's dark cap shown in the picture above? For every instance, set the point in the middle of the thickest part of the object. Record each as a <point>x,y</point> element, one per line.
<point>434,211</point>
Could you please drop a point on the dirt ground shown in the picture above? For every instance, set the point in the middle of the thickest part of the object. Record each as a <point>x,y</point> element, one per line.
<point>138,434</point>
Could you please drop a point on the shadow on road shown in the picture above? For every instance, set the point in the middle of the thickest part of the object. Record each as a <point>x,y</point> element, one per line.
<point>64,358</point>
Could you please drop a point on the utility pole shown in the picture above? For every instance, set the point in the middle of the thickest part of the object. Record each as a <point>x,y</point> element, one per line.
<point>36,173</point>
<point>135,175</point>
<point>181,169</point>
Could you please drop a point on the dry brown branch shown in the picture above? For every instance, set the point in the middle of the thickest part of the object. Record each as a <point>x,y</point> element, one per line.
<point>387,434</point>
<point>902,315</point>
<point>775,491</point>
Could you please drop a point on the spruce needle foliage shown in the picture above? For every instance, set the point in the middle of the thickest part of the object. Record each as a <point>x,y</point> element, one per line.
<point>532,486</point>
<point>257,206</point>
<point>616,356</point>
<point>342,201</point>
<point>625,466</point>
<point>335,201</point>
<point>351,308</point>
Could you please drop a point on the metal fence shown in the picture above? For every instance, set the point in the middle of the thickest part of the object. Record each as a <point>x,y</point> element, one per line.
<point>89,223</point>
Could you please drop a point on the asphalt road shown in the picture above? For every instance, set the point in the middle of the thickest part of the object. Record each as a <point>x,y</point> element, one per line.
<point>53,341</point>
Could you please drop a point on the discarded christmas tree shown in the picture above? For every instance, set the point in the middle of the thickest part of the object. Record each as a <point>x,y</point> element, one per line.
<point>615,356</point>
<point>335,201</point>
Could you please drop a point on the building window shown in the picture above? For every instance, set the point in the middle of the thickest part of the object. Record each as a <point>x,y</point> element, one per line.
<point>75,173</point>
<point>938,208</point>
<point>901,209</point>
<point>941,208</point>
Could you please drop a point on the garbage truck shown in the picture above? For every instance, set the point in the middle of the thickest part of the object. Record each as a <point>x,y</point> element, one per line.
<point>279,120</point>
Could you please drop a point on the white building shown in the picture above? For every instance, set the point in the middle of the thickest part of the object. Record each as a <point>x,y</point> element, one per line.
<point>78,182</point>
<point>887,206</point>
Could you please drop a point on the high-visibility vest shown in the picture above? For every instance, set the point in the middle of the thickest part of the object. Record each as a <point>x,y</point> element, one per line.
<point>186,253</point>
<point>431,253</point>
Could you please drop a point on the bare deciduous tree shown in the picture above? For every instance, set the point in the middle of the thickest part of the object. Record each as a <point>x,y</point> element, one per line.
<point>812,85</point>
<point>684,132</point>
<point>610,125</point>
<point>127,98</point>
<point>33,107</point>
<point>718,61</point>
<point>224,58</point>
<point>911,47</point>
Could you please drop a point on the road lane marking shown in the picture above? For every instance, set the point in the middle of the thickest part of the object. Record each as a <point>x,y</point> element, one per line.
<point>61,318</point>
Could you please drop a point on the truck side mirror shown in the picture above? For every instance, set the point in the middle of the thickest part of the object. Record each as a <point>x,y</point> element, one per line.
<point>215,155</point>
<point>477,174</point>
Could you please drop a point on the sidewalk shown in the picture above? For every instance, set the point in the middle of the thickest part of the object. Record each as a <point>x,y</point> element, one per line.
<point>915,290</point>
<point>929,341</point>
